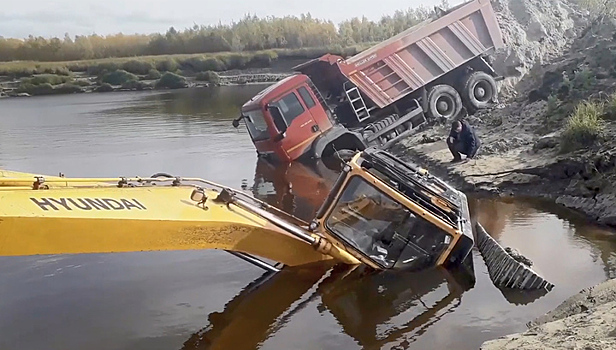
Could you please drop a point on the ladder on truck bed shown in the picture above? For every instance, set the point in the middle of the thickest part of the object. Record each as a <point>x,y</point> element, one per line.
<point>362,112</point>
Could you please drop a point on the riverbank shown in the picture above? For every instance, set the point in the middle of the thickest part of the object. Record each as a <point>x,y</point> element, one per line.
<point>585,321</point>
<point>29,78</point>
<point>553,135</point>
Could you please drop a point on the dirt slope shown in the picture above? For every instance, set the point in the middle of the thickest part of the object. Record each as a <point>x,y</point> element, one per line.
<point>551,64</point>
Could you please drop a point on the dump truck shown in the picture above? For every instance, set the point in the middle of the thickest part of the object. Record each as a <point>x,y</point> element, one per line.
<point>334,106</point>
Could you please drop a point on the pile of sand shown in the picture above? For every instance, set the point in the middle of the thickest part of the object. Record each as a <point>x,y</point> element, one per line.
<point>535,32</point>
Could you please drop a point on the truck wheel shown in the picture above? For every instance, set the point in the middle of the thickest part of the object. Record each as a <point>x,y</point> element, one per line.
<point>444,102</point>
<point>479,90</point>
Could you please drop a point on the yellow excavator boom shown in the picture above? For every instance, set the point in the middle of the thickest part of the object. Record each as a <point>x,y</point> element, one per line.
<point>70,216</point>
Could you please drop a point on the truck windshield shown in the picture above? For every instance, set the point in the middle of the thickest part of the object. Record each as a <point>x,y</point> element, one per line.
<point>255,122</point>
<point>384,230</point>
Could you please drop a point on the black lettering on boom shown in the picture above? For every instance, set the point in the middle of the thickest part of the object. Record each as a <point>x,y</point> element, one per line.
<point>114,204</point>
<point>88,204</point>
<point>62,202</point>
<point>97,204</point>
<point>43,203</point>
<point>84,205</point>
<point>128,204</point>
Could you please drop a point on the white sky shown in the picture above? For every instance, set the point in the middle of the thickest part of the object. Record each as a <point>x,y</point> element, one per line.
<point>47,18</point>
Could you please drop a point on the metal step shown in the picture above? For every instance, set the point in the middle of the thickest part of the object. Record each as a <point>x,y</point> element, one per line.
<point>357,104</point>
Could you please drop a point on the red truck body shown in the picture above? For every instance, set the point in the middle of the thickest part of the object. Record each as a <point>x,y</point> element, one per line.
<point>380,95</point>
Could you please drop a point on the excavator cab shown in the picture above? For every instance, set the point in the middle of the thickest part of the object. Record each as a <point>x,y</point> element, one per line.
<point>391,214</point>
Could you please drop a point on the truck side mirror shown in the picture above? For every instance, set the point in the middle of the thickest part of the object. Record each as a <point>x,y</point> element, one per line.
<point>236,122</point>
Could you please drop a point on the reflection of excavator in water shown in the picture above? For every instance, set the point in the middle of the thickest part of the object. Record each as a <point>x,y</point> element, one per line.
<point>349,294</point>
<point>431,226</point>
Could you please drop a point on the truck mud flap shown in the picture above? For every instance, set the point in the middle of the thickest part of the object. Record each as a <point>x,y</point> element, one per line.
<point>504,270</point>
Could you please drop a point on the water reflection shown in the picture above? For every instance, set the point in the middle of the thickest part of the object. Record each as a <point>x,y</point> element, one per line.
<point>558,236</point>
<point>165,298</point>
<point>373,308</point>
<point>296,188</point>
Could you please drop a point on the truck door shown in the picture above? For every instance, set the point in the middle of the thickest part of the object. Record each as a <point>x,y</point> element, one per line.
<point>295,123</point>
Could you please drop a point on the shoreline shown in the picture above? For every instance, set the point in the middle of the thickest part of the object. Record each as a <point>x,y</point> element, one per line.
<point>523,167</point>
<point>530,165</point>
<point>147,85</point>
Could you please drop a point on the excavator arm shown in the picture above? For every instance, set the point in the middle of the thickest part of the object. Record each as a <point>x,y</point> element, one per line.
<point>78,216</point>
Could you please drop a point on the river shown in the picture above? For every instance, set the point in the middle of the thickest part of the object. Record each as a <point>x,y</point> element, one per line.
<point>210,299</point>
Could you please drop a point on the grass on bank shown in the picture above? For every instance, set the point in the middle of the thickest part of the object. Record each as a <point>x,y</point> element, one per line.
<point>585,126</point>
<point>182,63</point>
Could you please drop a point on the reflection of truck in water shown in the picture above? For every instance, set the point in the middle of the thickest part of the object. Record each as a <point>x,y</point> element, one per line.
<point>379,96</point>
<point>297,188</point>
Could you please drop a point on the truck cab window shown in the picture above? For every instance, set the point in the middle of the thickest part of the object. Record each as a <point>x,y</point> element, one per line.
<point>308,101</point>
<point>383,229</point>
<point>255,122</point>
<point>290,107</point>
<point>278,119</point>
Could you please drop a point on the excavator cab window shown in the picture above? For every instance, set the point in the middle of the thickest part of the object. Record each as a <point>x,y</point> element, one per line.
<point>384,230</point>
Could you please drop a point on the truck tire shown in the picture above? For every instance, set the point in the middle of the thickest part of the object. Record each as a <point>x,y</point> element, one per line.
<point>479,91</point>
<point>444,102</point>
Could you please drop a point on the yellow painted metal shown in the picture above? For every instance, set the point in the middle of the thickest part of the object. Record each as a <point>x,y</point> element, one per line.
<point>104,218</point>
<point>356,170</point>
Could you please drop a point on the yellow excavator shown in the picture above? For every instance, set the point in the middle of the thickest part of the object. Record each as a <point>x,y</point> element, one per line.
<point>381,212</point>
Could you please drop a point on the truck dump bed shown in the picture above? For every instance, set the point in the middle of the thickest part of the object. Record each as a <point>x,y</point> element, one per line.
<point>402,64</point>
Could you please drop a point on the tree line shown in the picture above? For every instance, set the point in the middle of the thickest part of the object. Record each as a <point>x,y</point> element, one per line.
<point>249,34</point>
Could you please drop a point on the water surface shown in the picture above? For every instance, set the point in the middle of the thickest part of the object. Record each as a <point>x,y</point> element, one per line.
<point>211,300</point>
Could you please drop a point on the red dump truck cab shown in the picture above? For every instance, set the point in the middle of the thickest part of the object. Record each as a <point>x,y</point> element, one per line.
<point>284,119</point>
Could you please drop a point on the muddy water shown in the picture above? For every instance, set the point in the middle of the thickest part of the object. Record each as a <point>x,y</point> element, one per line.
<point>210,300</point>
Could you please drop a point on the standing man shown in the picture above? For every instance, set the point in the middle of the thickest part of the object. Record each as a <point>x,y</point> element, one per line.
<point>462,140</point>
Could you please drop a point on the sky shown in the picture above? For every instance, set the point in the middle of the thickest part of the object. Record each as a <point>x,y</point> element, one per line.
<point>48,18</point>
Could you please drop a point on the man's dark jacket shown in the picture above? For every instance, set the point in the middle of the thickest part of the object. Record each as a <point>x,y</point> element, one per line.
<point>467,138</point>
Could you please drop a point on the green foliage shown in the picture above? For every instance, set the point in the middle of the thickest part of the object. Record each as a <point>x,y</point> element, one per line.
<point>104,87</point>
<point>552,104</point>
<point>35,90</point>
<point>263,59</point>
<point>68,88</point>
<point>81,83</point>
<point>583,79</point>
<point>249,34</point>
<point>201,64</point>
<point>171,81</point>
<point>153,74</point>
<point>102,68</point>
<point>48,78</point>
<point>133,85</point>
<point>137,67</point>
<point>610,107</point>
<point>167,65</point>
<point>209,76</point>
<point>118,77</point>
<point>584,127</point>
